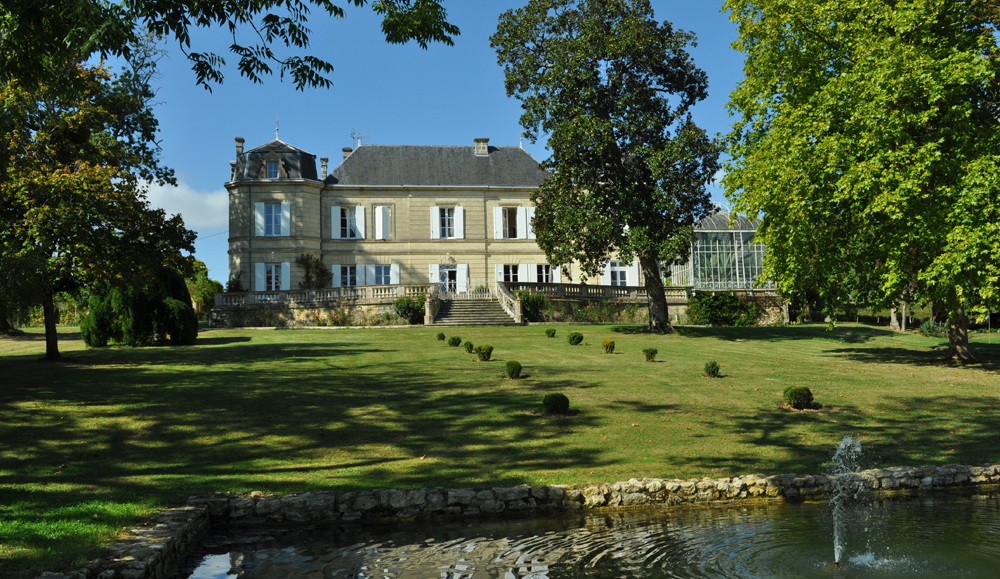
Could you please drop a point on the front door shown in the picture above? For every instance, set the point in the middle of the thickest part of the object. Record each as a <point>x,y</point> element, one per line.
<point>449,278</point>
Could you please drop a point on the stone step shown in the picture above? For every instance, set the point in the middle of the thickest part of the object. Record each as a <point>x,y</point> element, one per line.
<point>476,312</point>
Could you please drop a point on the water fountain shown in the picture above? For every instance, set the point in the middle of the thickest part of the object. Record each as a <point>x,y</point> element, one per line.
<point>846,489</point>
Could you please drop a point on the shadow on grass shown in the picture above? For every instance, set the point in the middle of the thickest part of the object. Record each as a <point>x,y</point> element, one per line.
<point>631,329</point>
<point>155,425</point>
<point>897,431</point>
<point>849,335</point>
<point>987,356</point>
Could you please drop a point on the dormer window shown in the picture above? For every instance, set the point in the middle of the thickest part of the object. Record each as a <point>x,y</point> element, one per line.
<point>482,148</point>
<point>272,169</point>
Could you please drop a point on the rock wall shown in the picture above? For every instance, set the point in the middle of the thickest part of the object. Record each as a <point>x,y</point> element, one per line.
<point>158,549</point>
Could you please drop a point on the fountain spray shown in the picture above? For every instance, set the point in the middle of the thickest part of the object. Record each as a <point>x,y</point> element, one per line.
<point>844,489</point>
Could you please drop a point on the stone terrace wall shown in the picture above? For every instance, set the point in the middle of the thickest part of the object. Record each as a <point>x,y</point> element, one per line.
<point>159,548</point>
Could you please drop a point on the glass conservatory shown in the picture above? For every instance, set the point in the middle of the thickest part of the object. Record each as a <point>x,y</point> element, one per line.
<point>724,256</point>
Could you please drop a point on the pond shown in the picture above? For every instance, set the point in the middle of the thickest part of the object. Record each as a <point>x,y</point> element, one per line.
<point>939,536</point>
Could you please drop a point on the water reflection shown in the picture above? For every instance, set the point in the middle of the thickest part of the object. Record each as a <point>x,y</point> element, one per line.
<point>936,537</point>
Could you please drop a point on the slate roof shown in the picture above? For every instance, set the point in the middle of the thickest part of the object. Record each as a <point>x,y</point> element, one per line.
<point>296,163</point>
<point>720,221</point>
<point>437,166</point>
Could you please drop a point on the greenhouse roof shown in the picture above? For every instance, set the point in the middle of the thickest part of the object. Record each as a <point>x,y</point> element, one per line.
<point>725,221</point>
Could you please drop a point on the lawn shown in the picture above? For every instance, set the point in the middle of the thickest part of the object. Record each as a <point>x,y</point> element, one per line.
<point>93,443</point>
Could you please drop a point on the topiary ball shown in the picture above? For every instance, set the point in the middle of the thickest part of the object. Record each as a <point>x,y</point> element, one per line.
<point>550,332</point>
<point>484,352</point>
<point>468,347</point>
<point>712,369</point>
<point>574,338</point>
<point>555,403</point>
<point>650,354</point>
<point>441,336</point>
<point>512,369</point>
<point>454,341</point>
<point>799,397</point>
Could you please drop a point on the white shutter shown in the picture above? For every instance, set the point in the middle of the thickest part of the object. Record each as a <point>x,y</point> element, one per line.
<point>435,273</point>
<point>286,219</point>
<point>258,219</point>
<point>499,272</point>
<point>335,270</point>
<point>459,223</point>
<point>435,224</point>
<point>522,272</point>
<point>632,277</point>
<point>606,273</point>
<point>369,274</point>
<point>532,276</point>
<point>386,222</point>
<point>381,221</point>
<point>522,223</point>
<point>259,277</point>
<point>394,274</point>
<point>335,222</point>
<point>359,222</point>
<point>462,281</point>
<point>498,223</point>
<point>286,276</point>
<point>556,275</point>
<point>530,218</point>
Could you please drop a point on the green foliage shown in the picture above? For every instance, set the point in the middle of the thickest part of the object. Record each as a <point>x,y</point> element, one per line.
<point>315,275</point>
<point>611,88</point>
<point>608,346</point>
<point>574,338</point>
<point>933,329</point>
<point>202,288</point>
<point>454,341</point>
<point>410,309</point>
<point>533,305</point>
<point>867,136</point>
<point>234,285</point>
<point>712,369</point>
<point>484,352</point>
<point>555,403</point>
<point>441,337</point>
<point>178,322</point>
<point>97,327</point>
<point>512,369</point>
<point>723,309</point>
<point>799,397</point>
<point>468,347</point>
<point>650,354</point>
<point>550,332</point>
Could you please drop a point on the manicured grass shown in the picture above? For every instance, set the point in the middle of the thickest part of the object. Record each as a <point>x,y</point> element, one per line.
<point>107,436</point>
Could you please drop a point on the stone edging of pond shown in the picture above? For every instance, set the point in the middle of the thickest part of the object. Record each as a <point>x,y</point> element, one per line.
<point>158,549</point>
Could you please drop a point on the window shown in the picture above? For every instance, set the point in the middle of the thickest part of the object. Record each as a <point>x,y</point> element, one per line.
<point>348,275</point>
<point>543,273</point>
<point>510,273</point>
<point>272,219</point>
<point>509,222</point>
<point>447,227</point>
<point>272,277</point>
<point>383,275</point>
<point>348,223</point>
<point>618,272</point>
<point>383,222</point>
<point>272,169</point>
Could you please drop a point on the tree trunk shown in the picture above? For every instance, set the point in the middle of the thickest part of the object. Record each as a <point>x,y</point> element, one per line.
<point>958,330</point>
<point>659,318</point>
<point>51,318</point>
<point>893,320</point>
<point>902,325</point>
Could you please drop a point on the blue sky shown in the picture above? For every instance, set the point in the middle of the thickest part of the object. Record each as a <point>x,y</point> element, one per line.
<point>391,94</point>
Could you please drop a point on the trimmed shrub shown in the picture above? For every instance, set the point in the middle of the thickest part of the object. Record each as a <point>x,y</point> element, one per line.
<point>410,309</point>
<point>178,322</point>
<point>551,332</point>
<point>555,403</point>
<point>97,327</point>
<point>468,347</point>
<point>723,309</point>
<point>533,305</point>
<point>608,346</point>
<point>441,336</point>
<point>712,369</point>
<point>454,341</point>
<point>574,338</point>
<point>512,369</point>
<point>934,329</point>
<point>650,354</point>
<point>799,397</point>
<point>484,352</point>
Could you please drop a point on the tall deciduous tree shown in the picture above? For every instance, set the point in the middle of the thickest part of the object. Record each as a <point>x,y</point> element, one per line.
<point>612,88</point>
<point>868,136</point>
<point>76,157</point>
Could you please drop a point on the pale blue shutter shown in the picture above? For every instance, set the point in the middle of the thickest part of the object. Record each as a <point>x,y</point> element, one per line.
<point>435,224</point>
<point>498,223</point>
<point>286,276</point>
<point>335,270</point>
<point>258,218</point>
<point>286,219</point>
<point>394,274</point>
<point>459,223</point>
<point>359,222</point>
<point>335,222</point>
<point>259,276</point>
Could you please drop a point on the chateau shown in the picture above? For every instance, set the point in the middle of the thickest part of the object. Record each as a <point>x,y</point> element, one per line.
<point>389,215</point>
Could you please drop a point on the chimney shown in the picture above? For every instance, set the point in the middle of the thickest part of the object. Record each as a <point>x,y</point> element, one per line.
<point>323,162</point>
<point>482,146</point>
<point>347,152</point>
<point>239,145</point>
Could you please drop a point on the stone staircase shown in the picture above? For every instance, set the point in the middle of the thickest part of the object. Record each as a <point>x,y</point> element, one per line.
<point>472,312</point>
